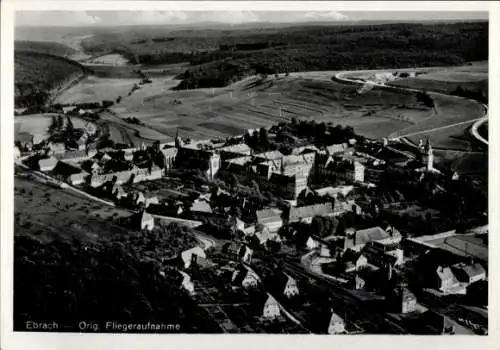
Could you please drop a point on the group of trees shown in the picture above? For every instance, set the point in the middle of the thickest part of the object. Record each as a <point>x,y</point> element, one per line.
<point>117,277</point>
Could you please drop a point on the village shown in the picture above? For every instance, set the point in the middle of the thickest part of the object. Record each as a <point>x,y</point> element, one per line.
<point>293,239</point>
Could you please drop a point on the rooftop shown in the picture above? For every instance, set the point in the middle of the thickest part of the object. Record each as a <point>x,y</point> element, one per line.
<point>309,211</point>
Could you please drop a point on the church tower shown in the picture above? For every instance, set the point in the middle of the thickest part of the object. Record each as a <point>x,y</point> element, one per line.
<point>428,156</point>
<point>178,140</point>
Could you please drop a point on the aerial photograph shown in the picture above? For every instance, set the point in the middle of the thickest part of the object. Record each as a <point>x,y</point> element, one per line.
<point>249,172</point>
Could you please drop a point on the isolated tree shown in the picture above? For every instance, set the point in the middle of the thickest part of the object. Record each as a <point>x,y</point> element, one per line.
<point>60,121</point>
<point>69,125</point>
<point>263,137</point>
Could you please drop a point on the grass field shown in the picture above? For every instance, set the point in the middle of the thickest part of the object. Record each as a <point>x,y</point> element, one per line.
<point>111,59</point>
<point>94,89</point>
<point>253,102</point>
<point>446,80</point>
<point>76,215</point>
<point>38,124</point>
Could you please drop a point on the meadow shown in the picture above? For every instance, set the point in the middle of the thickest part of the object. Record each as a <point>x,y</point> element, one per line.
<point>38,124</point>
<point>96,89</point>
<point>255,102</point>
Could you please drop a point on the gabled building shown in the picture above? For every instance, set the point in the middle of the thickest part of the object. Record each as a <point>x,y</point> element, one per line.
<point>402,300</point>
<point>357,239</point>
<point>143,221</point>
<point>24,140</point>
<point>191,256</point>
<point>47,164</point>
<point>306,213</point>
<point>291,287</point>
<point>187,283</point>
<point>336,325</point>
<point>447,282</point>
<point>238,252</point>
<point>271,309</point>
<point>245,277</point>
<point>469,273</point>
<point>270,218</point>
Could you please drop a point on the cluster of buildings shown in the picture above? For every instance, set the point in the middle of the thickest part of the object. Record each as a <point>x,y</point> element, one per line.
<point>285,175</point>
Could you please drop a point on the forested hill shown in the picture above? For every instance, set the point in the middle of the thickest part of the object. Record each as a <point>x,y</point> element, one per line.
<point>47,47</point>
<point>37,74</point>
<point>220,57</point>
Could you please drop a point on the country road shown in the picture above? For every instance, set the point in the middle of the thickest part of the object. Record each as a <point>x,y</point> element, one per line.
<point>340,76</point>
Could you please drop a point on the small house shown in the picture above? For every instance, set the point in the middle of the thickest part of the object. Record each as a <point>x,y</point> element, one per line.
<point>291,288</point>
<point>17,152</point>
<point>311,243</point>
<point>47,164</point>
<point>447,281</point>
<point>245,277</point>
<point>191,256</point>
<point>78,178</point>
<point>271,309</point>
<point>143,221</point>
<point>270,218</point>
<point>469,273</point>
<point>355,262</point>
<point>402,300</point>
<point>24,140</point>
<point>238,251</point>
<point>187,283</point>
<point>336,325</point>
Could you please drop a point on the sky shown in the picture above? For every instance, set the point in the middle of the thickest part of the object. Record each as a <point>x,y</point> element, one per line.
<point>117,18</point>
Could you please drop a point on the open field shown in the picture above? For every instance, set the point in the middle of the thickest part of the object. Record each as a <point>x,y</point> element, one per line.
<point>38,124</point>
<point>38,204</point>
<point>256,102</point>
<point>95,89</point>
<point>122,132</point>
<point>472,77</point>
<point>111,59</point>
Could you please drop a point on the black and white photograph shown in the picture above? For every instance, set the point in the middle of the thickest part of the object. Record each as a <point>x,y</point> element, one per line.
<point>250,172</point>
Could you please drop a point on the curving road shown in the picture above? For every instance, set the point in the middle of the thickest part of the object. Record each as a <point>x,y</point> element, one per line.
<point>478,121</point>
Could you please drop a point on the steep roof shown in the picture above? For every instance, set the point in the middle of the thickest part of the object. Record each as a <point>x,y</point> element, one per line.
<point>47,162</point>
<point>241,148</point>
<point>445,273</point>
<point>24,137</point>
<point>370,235</point>
<point>187,254</point>
<point>309,211</point>
<point>338,148</point>
<point>270,155</point>
<point>473,270</point>
<point>266,216</point>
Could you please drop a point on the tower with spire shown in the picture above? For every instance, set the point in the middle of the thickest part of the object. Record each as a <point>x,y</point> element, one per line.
<point>178,140</point>
<point>428,156</point>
